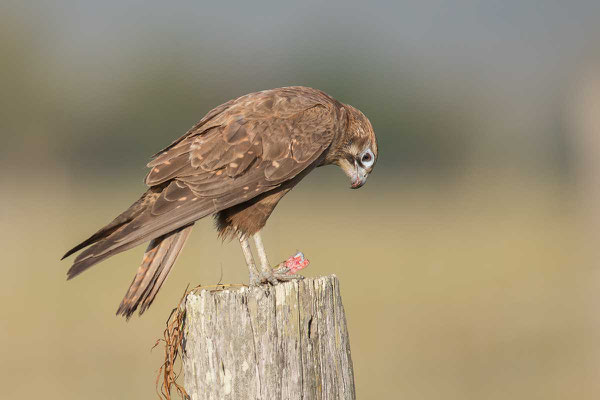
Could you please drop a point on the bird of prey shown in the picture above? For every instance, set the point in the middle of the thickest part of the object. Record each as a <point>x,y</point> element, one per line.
<point>235,164</point>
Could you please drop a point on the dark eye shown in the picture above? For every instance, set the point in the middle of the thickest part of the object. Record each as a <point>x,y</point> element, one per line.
<point>366,157</point>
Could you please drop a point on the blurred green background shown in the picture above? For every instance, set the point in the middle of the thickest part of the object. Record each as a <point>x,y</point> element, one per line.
<point>468,262</point>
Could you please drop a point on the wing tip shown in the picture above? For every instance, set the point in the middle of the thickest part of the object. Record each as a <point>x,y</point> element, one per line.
<point>80,265</point>
<point>71,273</point>
<point>74,250</point>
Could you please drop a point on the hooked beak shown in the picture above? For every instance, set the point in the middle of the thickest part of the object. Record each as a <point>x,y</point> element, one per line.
<point>358,176</point>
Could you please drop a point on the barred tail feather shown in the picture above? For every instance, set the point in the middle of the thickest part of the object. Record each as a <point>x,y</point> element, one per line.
<point>156,265</point>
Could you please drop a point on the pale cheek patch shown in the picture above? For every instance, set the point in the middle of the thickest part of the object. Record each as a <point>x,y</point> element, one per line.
<point>347,167</point>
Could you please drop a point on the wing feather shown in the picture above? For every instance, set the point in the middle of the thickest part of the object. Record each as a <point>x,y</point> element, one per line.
<point>203,173</point>
<point>239,150</point>
<point>252,142</point>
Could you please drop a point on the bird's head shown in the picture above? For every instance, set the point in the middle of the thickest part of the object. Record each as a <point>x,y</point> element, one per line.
<point>357,153</point>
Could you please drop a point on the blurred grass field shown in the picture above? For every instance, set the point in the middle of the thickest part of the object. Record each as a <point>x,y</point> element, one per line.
<point>473,287</point>
<point>468,263</point>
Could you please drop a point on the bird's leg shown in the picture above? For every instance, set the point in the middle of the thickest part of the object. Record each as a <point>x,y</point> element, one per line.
<point>265,268</point>
<point>254,275</point>
<point>282,273</point>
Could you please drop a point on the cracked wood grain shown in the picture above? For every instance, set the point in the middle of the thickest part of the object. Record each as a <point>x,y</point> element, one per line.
<point>288,341</point>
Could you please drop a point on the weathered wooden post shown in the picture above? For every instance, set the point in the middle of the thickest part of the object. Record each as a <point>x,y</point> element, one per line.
<point>287,341</point>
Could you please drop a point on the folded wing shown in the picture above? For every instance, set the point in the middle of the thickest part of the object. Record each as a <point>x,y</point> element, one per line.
<point>240,150</point>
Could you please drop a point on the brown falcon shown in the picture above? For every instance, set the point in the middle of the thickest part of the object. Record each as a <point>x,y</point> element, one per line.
<point>236,164</point>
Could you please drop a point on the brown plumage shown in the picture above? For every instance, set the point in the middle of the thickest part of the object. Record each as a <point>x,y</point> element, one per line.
<point>236,164</point>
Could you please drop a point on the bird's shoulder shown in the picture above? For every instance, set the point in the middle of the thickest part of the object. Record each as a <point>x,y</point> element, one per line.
<point>270,135</point>
<point>273,104</point>
<point>267,106</point>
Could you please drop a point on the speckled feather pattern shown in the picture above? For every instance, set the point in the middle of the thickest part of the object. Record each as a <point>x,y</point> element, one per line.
<point>236,164</point>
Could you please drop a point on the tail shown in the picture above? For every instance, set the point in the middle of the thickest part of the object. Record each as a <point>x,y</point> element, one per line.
<point>156,265</point>
<point>157,213</point>
<point>164,215</point>
<point>125,217</point>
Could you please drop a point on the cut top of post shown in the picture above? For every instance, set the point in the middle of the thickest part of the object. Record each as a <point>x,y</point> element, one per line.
<point>288,341</point>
